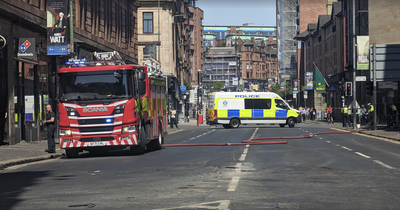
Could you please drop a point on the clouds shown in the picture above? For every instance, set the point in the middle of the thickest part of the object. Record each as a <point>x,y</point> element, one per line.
<point>237,12</point>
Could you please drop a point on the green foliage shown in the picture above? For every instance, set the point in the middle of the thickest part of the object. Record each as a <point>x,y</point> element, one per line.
<point>222,45</point>
<point>277,89</point>
<point>218,85</point>
<point>186,84</point>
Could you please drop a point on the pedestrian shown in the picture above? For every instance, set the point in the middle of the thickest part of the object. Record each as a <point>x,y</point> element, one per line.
<point>186,116</point>
<point>173,118</point>
<point>345,115</point>
<point>332,115</point>
<point>329,114</point>
<point>314,113</point>
<point>363,115</point>
<point>303,114</point>
<point>50,116</point>
<point>194,113</point>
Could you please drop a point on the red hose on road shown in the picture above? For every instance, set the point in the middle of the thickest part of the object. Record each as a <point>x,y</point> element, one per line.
<point>307,135</point>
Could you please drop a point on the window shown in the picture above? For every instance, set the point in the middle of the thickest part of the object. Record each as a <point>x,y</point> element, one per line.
<point>247,67</point>
<point>280,104</point>
<point>147,22</point>
<point>247,57</point>
<point>257,103</point>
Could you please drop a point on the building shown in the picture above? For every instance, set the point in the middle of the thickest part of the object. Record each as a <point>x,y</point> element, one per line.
<point>221,65</point>
<point>196,40</point>
<point>94,29</point>
<point>383,30</point>
<point>162,35</point>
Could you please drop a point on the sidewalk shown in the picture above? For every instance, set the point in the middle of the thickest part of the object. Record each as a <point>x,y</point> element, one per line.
<point>24,152</point>
<point>389,133</point>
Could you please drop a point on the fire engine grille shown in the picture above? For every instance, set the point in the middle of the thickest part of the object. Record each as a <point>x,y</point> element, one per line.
<point>95,121</point>
<point>97,139</point>
<point>96,129</point>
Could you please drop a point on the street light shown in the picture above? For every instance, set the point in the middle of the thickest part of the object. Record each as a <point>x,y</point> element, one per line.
<point>198,94</point>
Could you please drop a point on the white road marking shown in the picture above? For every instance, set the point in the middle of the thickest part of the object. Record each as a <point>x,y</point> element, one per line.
<point>328,141</point>
<point>338,145</point>
<point>248,145</point>
<point>238,167</point>
<point>245,150</point>
<point>242,157</point>
<point>361,154</point>
<point>383,164</point>
<point>252,136</point>
<point>320,138</point>
<point>233,184</point>
<point>346,148</point>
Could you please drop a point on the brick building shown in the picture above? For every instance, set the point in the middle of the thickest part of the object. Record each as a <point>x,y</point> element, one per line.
<point>95,28</point>
<point>196,40</point>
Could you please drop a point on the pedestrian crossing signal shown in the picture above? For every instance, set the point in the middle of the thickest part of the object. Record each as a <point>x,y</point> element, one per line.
<point>349,89</point>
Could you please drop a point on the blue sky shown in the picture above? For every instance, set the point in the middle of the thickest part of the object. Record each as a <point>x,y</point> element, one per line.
<point>226,12</point>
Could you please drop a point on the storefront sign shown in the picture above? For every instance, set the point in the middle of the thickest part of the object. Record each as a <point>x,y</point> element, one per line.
<point>27,49</point>
<point>3,42</point>
<point>57,27</point>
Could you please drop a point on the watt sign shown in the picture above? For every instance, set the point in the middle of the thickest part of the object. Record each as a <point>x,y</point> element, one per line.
<point>387,58</point>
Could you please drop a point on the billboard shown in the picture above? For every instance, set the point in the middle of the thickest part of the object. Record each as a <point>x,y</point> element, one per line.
<point>387,62</point>
<point>362,52</point>
<point>57,27</point>
<point>309,81</point>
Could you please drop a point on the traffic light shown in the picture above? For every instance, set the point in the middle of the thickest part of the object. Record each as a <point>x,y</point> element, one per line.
<point>369,87</point>
<point>349,89</point>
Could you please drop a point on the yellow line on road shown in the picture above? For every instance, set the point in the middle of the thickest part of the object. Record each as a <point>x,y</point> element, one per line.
<point>370,136</point>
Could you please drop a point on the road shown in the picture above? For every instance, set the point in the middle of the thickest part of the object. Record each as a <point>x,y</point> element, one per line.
<point>330,171</point>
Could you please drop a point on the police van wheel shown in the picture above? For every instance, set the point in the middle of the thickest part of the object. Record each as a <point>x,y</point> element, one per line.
<point>234,123</point>
<point>71,153</point>
<point>291,122</point>
<point>282,125</point>
<point>226,126</point>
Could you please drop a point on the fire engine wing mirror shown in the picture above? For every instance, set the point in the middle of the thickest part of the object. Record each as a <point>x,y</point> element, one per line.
<point>142,76</point>
<point>142,87</point>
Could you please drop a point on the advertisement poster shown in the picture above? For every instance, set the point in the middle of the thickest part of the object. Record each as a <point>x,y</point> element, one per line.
<point>295,86</point>
<point>57,27</point>
<point>362,52</point>
<point>309,81</point>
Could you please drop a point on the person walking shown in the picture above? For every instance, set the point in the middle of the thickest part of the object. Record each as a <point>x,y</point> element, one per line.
<point>173,118</point>
<point>303,114</point>
<point>186,116</point>
<point>50,116</point>
<point>329,115</point>
<point>345,115</point>
<point>314,113</point>
<point>194,113</point>
<point>363,115</point>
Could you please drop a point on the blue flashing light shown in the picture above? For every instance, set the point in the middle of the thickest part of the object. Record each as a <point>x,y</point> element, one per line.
<point>82,62</point>
<point>76,62</point>
<point>108,120</point>
<point>68,63</point>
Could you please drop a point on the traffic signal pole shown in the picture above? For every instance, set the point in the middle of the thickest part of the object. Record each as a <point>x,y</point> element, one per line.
<point>354,108</point>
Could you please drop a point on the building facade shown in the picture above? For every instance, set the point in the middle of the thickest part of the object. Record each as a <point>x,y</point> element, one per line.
<point>196,41</point>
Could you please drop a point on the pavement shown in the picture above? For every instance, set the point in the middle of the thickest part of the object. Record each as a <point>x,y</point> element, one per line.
<point>25,152</point>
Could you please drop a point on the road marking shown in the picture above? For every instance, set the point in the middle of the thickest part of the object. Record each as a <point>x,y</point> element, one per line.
<point>380,138</point>
<point>245,150</point>
<point>238,167</point>
<point>252,136</point>
<point>338,145</point>
<point>248,145</point>
<point>383,164</point>
<point>328,141</point>
<point>233,184</point>
<point>361,154</point>
<point>346,148</point>
<point>320,138</point>
<point>223,205</point>
<point>242,157</point>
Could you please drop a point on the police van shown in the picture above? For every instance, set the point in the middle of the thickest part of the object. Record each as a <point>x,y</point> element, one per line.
<point>230,109</point>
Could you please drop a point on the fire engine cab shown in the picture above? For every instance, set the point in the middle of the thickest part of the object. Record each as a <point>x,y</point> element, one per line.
<point>108,104</point>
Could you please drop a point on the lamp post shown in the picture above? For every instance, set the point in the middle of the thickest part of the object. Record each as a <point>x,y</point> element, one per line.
<point>198,94</point>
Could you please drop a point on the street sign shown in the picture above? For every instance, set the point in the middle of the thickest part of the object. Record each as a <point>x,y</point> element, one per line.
<point>183,88</point>
<point>361,78</point>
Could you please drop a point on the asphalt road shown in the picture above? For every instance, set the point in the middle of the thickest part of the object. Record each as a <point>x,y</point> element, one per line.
<point>330,171</point>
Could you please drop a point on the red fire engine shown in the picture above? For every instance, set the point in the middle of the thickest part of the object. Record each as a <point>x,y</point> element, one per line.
<point>108,104</point>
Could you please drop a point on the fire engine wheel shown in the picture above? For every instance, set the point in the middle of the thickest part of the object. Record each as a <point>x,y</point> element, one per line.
<point>234,123</point>
<point>156,144</point>
<point>291,122</point>
<point>282,125</point>
<point>226,126</point>
<point>71,153</point>
<point>140,149</point>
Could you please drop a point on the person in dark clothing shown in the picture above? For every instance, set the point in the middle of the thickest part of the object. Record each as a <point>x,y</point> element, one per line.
<point>186,116</point>
<point>61,24</point>
<point>194,113</point>
<point>173,116</point>
<point>50,116</point>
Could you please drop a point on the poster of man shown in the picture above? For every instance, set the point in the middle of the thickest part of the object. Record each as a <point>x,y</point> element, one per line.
<point>309,81</point>
<point>57,27</point>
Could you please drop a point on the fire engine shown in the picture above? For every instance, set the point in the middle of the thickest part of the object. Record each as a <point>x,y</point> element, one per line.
<point>108,104</point>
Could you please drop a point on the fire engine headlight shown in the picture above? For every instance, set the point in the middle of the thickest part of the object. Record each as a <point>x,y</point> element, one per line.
<point>72,112</point>
<point>119,109</point>
<point>64,132</point>
<point>128,129</point>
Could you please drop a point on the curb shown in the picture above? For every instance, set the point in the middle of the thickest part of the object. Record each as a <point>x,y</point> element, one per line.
<point>5,164</point>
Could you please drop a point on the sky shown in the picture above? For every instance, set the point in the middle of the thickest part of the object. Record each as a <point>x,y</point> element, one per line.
<point>237,12</point>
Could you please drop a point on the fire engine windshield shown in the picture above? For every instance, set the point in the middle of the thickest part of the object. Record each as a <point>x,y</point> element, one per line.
<point>96,85</point>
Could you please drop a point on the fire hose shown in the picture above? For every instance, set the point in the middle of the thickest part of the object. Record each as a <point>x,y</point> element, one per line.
<point>258,141</point>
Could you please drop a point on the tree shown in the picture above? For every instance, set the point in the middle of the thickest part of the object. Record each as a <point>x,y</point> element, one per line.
<point>186,84</point>
<point>218,85</point>
<point>277,89</point>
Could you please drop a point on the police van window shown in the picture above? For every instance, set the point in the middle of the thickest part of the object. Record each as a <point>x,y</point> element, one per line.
<point>257,103</point>
<point>280,104</point>
<point>262,103</point>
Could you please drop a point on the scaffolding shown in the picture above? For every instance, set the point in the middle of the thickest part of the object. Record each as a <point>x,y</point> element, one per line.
<point>287,30</point>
